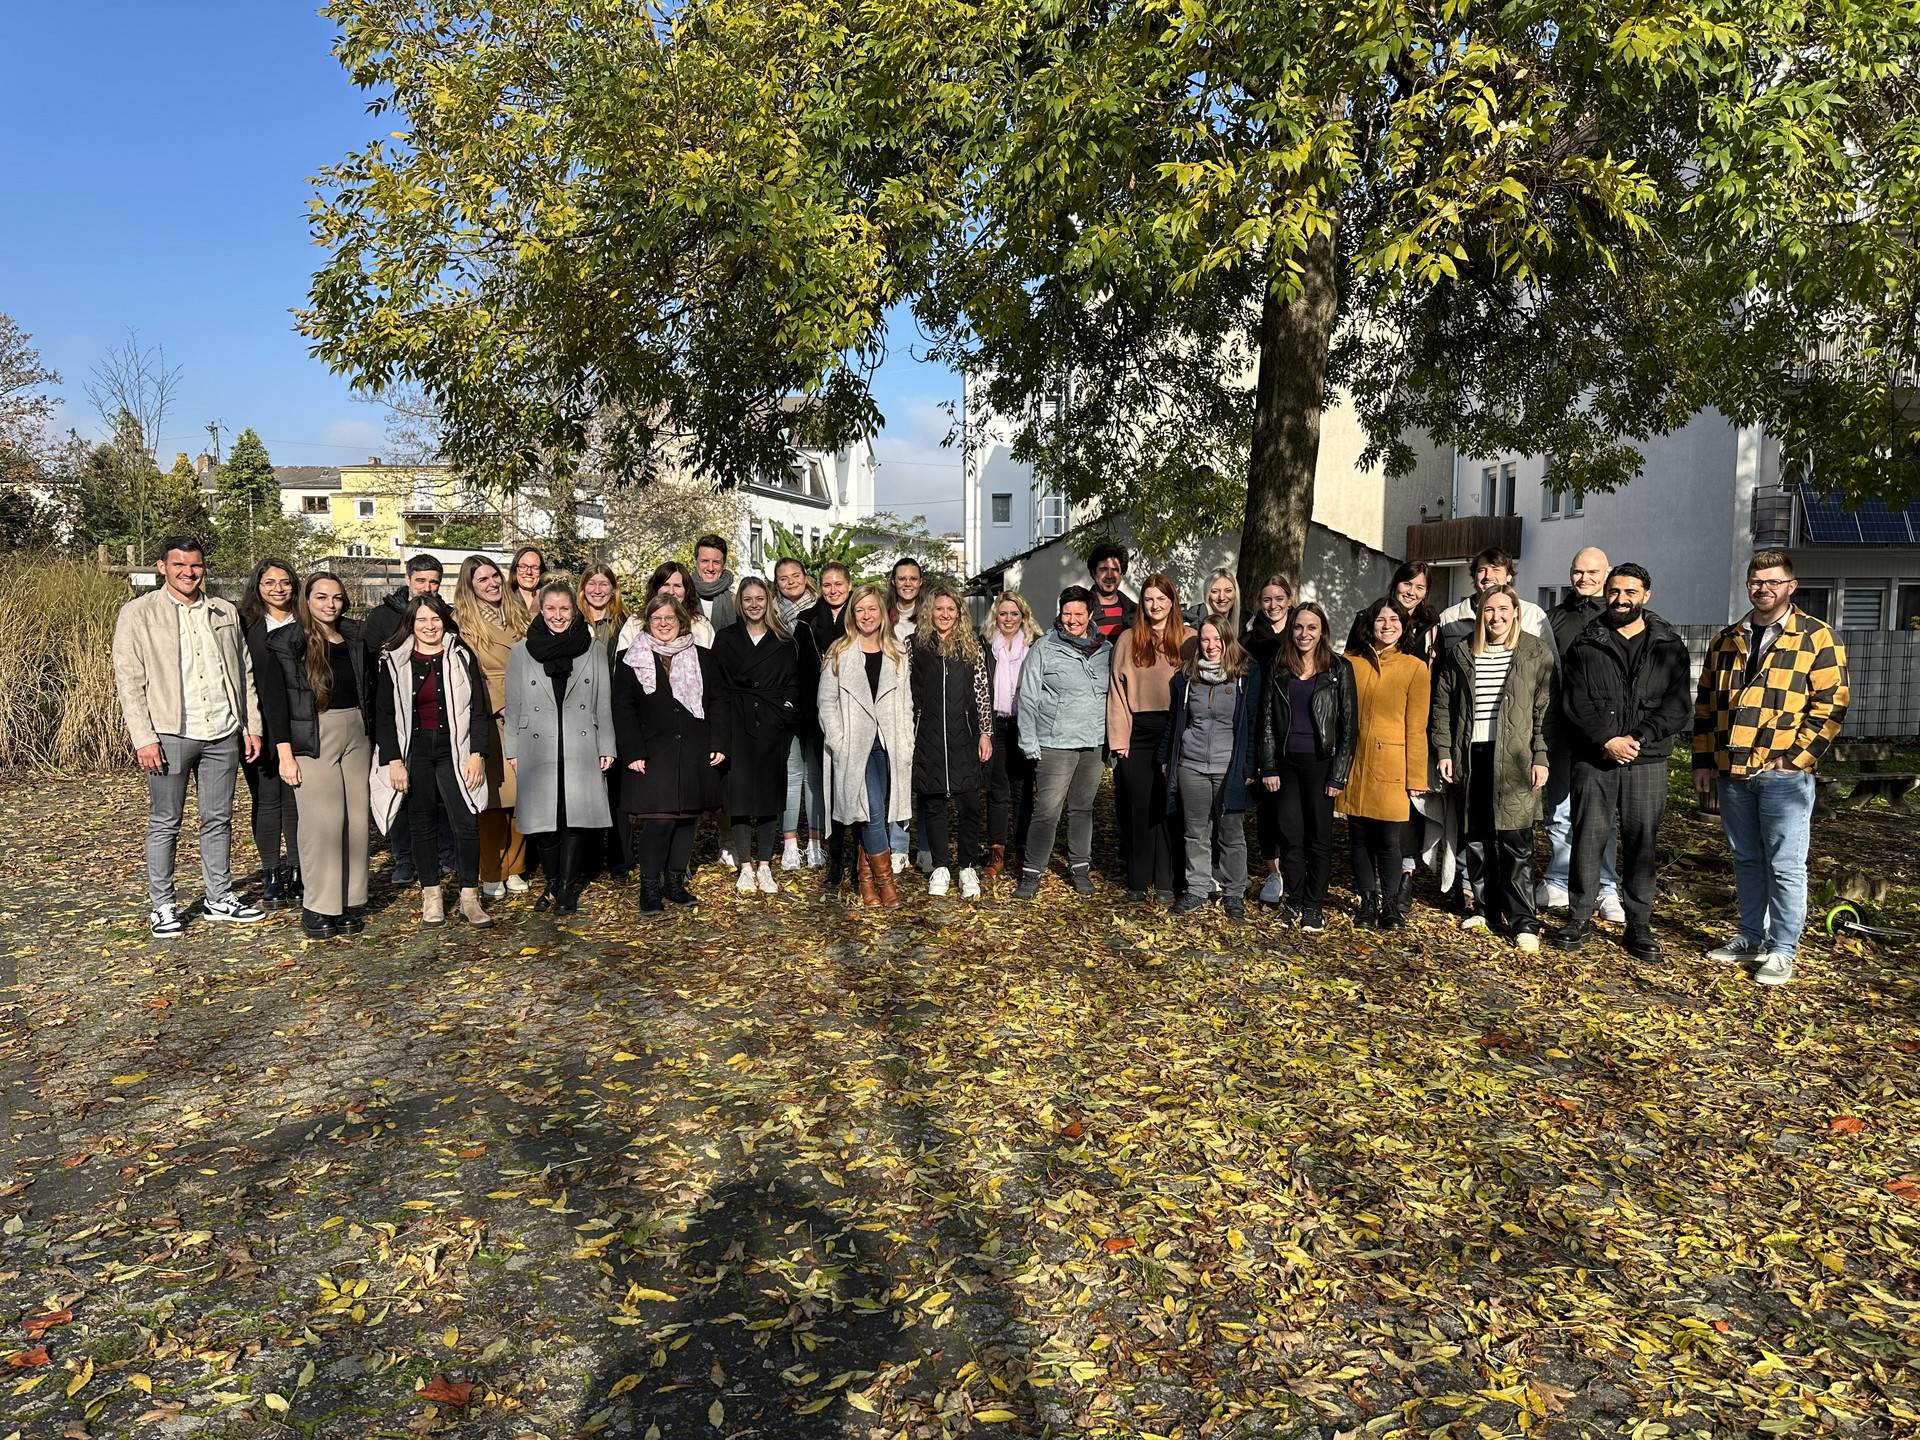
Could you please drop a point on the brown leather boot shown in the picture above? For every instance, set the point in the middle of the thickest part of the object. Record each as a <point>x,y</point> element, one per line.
<point>868,895</point>
<point>881,866</point>
<point>996,862</point>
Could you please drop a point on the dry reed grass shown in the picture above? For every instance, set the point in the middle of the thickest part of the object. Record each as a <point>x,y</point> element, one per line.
<point>58,709</point>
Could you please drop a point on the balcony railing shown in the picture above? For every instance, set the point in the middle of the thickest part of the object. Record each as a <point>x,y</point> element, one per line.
<point>1438,541</point>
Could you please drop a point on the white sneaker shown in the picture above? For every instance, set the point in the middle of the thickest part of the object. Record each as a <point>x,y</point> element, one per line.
<point>1528,942</point>
<point>1612,911</point>
<point>1738,951</point>
<point>234,911</point>
<point>816,855</point>
<point>745,884</point>
<point>790,854</point>
<point>517,884</point>
<point>764,875</point>
<point>492,889</point>
<point>899,862</point>
<point>164,920</point>
<point>1474,922</point>
<point>1775,969</point>
<point>1550,897</point>
<point>726,857</point>
<point>969,884</point>
<point>1274,891</point>
<point>939,881</point>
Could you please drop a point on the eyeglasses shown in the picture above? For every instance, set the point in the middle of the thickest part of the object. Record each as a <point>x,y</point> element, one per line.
<point>1768,584</point>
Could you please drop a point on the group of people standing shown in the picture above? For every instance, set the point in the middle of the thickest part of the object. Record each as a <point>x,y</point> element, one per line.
<point>536,720</point>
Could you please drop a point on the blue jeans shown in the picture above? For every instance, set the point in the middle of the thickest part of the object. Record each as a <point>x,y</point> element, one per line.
<point>1768,818</point>
<point>1559,807</point>
<point>803,766</point>
<point>873,833</point>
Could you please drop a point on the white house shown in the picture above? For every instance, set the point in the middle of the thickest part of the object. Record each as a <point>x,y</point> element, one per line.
<point>823,489</point>
<point>1014,527</point>
<point>1710,494</point>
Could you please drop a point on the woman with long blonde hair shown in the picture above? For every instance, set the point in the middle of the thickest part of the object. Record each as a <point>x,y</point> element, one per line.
<point>866,718</point>
<point>598,597</point>
<point>489,616</point>
<point>1145,660</point>
<point>1009,635</point>
<point>953,734</point>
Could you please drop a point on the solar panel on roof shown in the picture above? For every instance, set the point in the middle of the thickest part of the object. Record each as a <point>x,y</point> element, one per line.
<point>1881,526</point>
<point>1826,523</point>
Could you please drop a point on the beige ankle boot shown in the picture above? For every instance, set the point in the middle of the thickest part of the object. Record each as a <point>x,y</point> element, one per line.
<point>470,910</point>
<point>433,909</point>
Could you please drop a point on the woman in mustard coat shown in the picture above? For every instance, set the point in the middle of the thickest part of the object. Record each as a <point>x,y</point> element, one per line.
<point>1389,761</point>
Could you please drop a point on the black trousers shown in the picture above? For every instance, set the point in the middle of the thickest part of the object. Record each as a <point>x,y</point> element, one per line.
<point>1266,821</point>
<point>663,843</point>
<point>764,828</point>
<point>276,819</point>
<point>618,840</point>
<point>934,809</point>
<point>1375,849</point>
<point>431,771</point>
<point>1498,863</point>
<point>1305,813</point>
<point>1140,793</point>
<point>1635,798</point>
<point>1009,784</point>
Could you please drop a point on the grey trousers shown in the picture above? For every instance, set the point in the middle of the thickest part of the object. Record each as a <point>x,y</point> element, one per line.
<point>214,766</point>
<point>1198,795</point>
<point>334,818</point>
<point>1066,779</point>
<point>1633,798</point>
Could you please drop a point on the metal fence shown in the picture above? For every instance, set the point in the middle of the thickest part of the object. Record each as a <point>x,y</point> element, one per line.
<point>1883,675</point>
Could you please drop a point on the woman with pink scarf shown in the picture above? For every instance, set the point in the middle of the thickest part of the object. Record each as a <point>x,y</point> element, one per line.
<point>1010,778</point>
<point>670,713</point>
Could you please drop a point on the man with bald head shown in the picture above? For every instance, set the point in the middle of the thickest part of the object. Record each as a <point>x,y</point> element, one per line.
<point>1586,599</point>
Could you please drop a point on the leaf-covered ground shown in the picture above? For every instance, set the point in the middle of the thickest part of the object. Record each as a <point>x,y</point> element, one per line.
<point>781,1167</point>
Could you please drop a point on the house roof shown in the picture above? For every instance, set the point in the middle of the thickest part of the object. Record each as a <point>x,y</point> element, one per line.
<point>307,477</point>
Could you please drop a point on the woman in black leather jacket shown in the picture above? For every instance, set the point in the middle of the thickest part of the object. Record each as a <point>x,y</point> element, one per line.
<point>1308,722</point>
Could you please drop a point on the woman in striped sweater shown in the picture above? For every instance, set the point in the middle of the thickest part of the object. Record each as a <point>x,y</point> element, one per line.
<point>1490,726</point>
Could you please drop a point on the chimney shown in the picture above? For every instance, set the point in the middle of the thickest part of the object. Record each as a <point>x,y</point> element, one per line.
<point>374,460</point>
<point>202,463</point>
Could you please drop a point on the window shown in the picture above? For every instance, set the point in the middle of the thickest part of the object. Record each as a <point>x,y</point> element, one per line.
<point>1549,502</point>
<point>755,548</point>
<point>1489,483</point>
<point>1053,516</point>
<point>357,551</point>
<point>813,541</point>
<point>1861,609</point>
<point>363,509</point>
<point>1906,613</point>
<point>1816,600</point>
<point>1507,506</point>
<point>1576,507</point>
<point>1546,597</point>
<point>1003,509</point>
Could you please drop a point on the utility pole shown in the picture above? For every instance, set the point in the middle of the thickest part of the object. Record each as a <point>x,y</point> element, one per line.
<point>213,441</point>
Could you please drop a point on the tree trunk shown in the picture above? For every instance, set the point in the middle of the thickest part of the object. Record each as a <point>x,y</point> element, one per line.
<point>1289,394</point>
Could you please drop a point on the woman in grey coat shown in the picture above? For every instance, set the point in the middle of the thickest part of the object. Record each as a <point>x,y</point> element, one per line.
<point>559,739</point>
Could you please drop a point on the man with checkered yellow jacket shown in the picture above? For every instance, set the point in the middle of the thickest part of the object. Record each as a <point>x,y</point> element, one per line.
<point>1773,693</point>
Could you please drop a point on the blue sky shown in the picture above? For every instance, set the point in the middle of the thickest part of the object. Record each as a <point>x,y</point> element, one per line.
<point>154,176</point>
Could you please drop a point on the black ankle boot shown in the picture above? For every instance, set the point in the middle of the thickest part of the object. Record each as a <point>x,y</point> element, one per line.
<point>676,889</point>
<point>296,892</point>
<point>836,859</point>
<point>318,927</point>
<point>274,896</point>
<point>652,900</point>
<point>1369,911</point>
<point>353,920</point>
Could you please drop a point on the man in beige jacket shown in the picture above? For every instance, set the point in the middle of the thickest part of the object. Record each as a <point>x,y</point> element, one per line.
<point>185,679</point>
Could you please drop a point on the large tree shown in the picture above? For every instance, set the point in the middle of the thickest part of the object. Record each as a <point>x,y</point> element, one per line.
<point>1154,233</point>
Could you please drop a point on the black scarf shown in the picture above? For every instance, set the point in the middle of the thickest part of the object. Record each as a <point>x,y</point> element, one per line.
<point>556,653</point>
